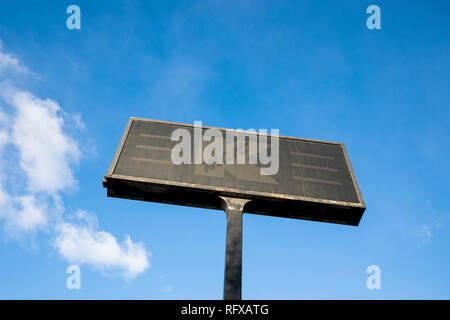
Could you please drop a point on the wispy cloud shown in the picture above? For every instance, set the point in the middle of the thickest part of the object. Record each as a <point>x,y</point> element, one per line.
<point>37,162</point>
<point>181,81</point>
<point>424,234</point>
<point>10,64</point>
<point>426,231</point>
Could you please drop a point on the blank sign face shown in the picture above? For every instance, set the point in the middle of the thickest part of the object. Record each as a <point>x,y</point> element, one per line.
<point>308,171</point>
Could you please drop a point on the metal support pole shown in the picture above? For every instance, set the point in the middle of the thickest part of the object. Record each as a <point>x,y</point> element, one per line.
<point>232,288</point>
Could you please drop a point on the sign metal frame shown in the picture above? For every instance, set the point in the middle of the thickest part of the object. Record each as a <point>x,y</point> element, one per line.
<point>196,195</point>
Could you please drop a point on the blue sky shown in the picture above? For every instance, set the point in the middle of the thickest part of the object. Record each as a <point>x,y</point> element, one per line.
<point>311,69</point>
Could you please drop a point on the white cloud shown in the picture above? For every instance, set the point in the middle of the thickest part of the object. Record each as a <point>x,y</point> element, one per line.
<point>46,152</point>
<point>22,213</point>
<point>31,214</point>
<point>3,138</point>
<point>81,244</point>
<point>37,159</point>
<point>10,64</point>
<point>3,131</point>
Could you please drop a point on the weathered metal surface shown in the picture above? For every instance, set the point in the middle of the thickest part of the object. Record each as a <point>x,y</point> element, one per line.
<point>232,288</point>
<point>315,180</point>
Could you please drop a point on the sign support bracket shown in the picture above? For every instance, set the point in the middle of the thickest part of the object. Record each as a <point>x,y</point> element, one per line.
<point>233,207</point>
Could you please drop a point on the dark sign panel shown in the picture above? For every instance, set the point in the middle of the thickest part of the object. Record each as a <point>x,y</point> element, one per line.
<point>310,179</point>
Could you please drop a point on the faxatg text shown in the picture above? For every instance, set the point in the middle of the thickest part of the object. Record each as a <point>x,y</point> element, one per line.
<point>227,309</point>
